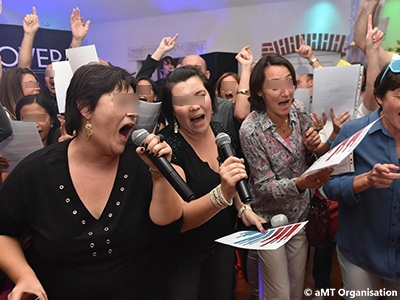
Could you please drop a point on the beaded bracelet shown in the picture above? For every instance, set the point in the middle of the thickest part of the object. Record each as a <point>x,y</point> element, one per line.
<point>218,199</point>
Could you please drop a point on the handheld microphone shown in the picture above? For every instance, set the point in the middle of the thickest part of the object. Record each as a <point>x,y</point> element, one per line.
<point>223,142</point>
<point>276,221</point>
<point>164,166</point>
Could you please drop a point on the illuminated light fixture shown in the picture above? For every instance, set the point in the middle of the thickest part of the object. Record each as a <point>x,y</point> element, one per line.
<point>1,6</point>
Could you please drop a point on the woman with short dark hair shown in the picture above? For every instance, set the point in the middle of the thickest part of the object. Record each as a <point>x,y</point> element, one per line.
<point>279,144</point>
<point>93,210</point>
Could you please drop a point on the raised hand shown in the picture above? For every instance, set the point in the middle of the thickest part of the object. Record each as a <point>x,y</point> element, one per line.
<point>305,51</point>
<point>64,136</point>
<point>168,43</point>
<point>31,22</point>
<point>317,122</point>
<point>339,120</point>
<point>245,57</point>
<point>374,37</point>
<point>79,28</point>
<point>311,139</point>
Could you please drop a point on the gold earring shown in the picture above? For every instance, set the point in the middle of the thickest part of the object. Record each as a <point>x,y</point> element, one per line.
<point>88,129</point>
<point>176,127</point>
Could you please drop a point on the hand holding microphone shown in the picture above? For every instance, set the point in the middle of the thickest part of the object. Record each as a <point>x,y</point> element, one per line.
<point>157,152</point>
<point>223,142</point>
<point>276,221</point>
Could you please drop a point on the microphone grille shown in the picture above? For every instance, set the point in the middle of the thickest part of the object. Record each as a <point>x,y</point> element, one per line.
<point>279,220</point>
<point>139,136</point>
<point>222,139</point>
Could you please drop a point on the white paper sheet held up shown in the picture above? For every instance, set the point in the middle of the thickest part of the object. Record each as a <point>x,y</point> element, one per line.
<point>337,87</point>
<point>272,239</point>
<point>148,115</point>
<point>63,72</point>
<point>81,56</point>
<point>24,140</point>
<point>341,155</point>
<point>303,95</point>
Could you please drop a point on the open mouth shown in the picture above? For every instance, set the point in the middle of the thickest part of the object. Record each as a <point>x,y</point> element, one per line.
<point>228,96</point>
<point>197,119</point>
<point>143,98</point>
<point>125,131</point>
<point>284,103</point>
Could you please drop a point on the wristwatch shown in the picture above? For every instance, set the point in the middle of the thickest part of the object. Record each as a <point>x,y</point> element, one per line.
<point>313,154</point>
<point>313,61</point>
<point>243,91</point>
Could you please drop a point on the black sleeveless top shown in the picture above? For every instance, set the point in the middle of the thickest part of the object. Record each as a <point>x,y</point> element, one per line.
<point>201,179</point>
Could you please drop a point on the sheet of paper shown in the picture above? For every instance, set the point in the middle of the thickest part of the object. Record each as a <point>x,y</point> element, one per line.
<point>341,152</point>
<point>303,95</point>
<point>81,56</point>
<point>272,239</point>
<point>24,140</point>
<point>62,78</point>
<point>148,115</point>
<point>337,87</point>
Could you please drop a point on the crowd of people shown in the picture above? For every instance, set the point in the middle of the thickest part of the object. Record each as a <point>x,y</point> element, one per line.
<point>90,216</point>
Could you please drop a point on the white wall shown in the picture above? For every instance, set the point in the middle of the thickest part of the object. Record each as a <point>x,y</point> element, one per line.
<point>226,30</point>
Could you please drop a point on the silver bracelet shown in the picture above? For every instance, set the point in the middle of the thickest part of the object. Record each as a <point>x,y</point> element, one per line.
<point>218,199</point>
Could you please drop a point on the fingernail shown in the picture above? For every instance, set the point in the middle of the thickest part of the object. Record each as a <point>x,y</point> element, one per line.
<point>141,149</point>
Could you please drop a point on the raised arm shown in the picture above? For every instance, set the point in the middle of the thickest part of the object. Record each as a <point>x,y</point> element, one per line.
<point>373,41</point>
<point>151,62</point>
<point>306,52</point>
<point>242,105</point>
<point>368,7</point>
<point>327,138</point>
<point>79,28</point>
<point>31,25</point>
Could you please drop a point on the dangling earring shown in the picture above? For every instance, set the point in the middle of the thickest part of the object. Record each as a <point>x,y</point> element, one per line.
<point>88,129</point>
<point>176,126</point>
<point>51,125</point>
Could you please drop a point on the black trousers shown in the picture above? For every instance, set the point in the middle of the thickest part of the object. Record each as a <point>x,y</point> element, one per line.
<point>208,275</point>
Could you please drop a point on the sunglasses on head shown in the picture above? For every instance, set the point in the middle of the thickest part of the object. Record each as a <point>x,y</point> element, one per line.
<point>394,66</point>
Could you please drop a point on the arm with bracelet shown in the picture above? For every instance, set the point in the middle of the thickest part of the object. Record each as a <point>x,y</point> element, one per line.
<point>306,52</point>
<point>242,105</point>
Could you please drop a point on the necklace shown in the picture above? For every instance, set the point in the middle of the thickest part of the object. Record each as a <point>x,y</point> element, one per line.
<point>286,126</point>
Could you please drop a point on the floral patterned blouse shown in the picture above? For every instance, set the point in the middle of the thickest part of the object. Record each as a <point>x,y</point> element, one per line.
<point>275,164</point>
